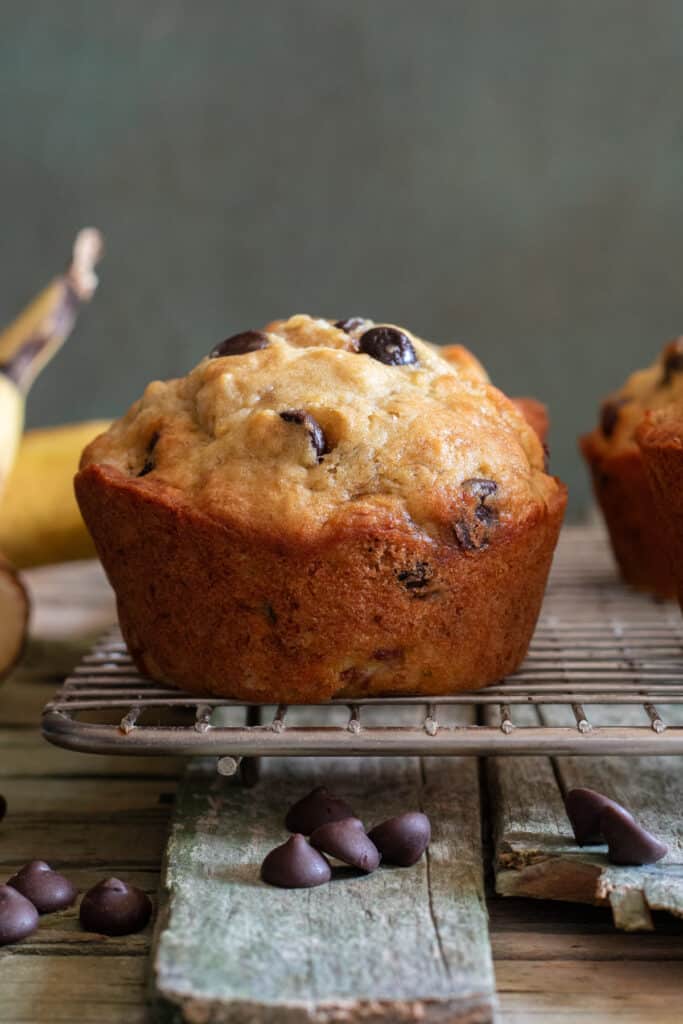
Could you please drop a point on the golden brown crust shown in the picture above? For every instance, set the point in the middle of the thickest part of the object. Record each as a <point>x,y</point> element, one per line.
<point>660,440</point>
<point>637,532</point>
<point>370,608</point>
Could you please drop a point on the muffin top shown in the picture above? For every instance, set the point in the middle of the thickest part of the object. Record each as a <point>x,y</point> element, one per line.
<point>310,427</point>
<point>654,388</point>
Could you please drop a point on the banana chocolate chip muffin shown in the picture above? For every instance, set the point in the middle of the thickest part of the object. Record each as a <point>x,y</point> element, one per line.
<point>324,509</point>
<point>638,533</point>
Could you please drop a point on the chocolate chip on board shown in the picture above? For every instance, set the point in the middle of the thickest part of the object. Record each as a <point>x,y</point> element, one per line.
<point>112,907</point>
<point>347,841</point>
<point>240,344</point>
<point>315,431</point>
<point>627,841</point>
<point>47,890</point>
<point>295,865</point>
<point>402,840</point>
<point>319,807</point>
<point>388,345</point>
<point>18,916</point>
<point>584,807</point>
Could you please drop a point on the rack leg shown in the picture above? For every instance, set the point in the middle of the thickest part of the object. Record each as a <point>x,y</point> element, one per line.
<point>250,767</point>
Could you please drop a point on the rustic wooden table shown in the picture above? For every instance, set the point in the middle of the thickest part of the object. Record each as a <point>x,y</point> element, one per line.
<point>94,816</point>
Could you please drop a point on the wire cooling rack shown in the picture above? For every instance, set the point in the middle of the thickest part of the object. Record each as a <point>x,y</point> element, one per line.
<point>604,675</point>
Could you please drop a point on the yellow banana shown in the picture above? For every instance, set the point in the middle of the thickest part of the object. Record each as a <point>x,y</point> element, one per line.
<point>26,346</point>
<point>39,518</point>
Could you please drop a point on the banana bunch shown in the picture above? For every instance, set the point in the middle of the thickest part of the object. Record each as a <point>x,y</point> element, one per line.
<point>26,346</point>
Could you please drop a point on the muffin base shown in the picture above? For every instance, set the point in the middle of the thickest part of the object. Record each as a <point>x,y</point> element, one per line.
<point>374,609</point>
<point>638,534</point>
<point>661,446</point>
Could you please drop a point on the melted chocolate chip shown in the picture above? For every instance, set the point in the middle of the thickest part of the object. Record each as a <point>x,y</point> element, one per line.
<point>240,344</point>
<point>315,431</point>
<point>584,807</point>
<point>627,841</point>
<point>295,865</point>
<point>672,361</point>
<point>347,841</point>
<point>18,916</point>
<point>150,464</point>
<point>3,807</point>
<point>415,578</point>
<point>318,808</point>
<point>388,345</point>
<point>472,529</point>
<point>113,907</point>
<point>609,414</point>
<point>350,324</point>
<point>402,840</point>
<point>47,890</point>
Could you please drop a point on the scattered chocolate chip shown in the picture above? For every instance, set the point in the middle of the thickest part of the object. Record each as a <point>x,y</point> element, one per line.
<point>609,414</point>
<point>18,916</point>
<point>627,841</point>
<point>113,907</point>
<point>472,529</point>
<point>388,345</point>
<point>3,807</point>
<point>584,807</point>
<point>318,808</point>
<point>347,841</point>
<point>402,840</point>
<point>47,890</point>
<point>295,865</point>
<point>672,361</point>
<point>149,461</point>
<point>240,344</point>
<point>415,578</point>
<point>350,324</point>
<point>315,431</point>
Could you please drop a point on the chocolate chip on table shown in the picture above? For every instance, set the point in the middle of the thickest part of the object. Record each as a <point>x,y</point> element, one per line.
<point>18,916</point>
<point>295,865</point>
<point>350,324</point>
<point>318,808</point>
<point>388,345</point>
<point>47,890</point>
<point>240,344</point>
<point>402,840</point>
<point>627,841</point>
<point>150,464</point>
<point>113,907</point>
<point>346,840</point>
<point>315,431</point>
<point>584,807</point>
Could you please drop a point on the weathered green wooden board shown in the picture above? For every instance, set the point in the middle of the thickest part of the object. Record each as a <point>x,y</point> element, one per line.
<point>398,945</point>
<point>535,851</point>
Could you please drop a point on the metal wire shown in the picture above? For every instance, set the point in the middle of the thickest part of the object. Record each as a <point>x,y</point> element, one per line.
<point>601,652</point>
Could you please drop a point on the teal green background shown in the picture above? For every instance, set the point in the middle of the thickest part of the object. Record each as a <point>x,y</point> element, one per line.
<point>505,174</point>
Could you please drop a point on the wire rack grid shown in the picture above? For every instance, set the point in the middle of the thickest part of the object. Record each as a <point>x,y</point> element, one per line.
<point>604,675</point>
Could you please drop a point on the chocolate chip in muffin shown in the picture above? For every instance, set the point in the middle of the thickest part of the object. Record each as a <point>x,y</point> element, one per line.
<point>350,324</point>
<point>672,362</point>
<point>388,345</point>
<point>240,344</point>
<point>315,431</point>
<point>149,463</point>
<point>416,577</point>
<point>472,529</point>
<point>609,414</point>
